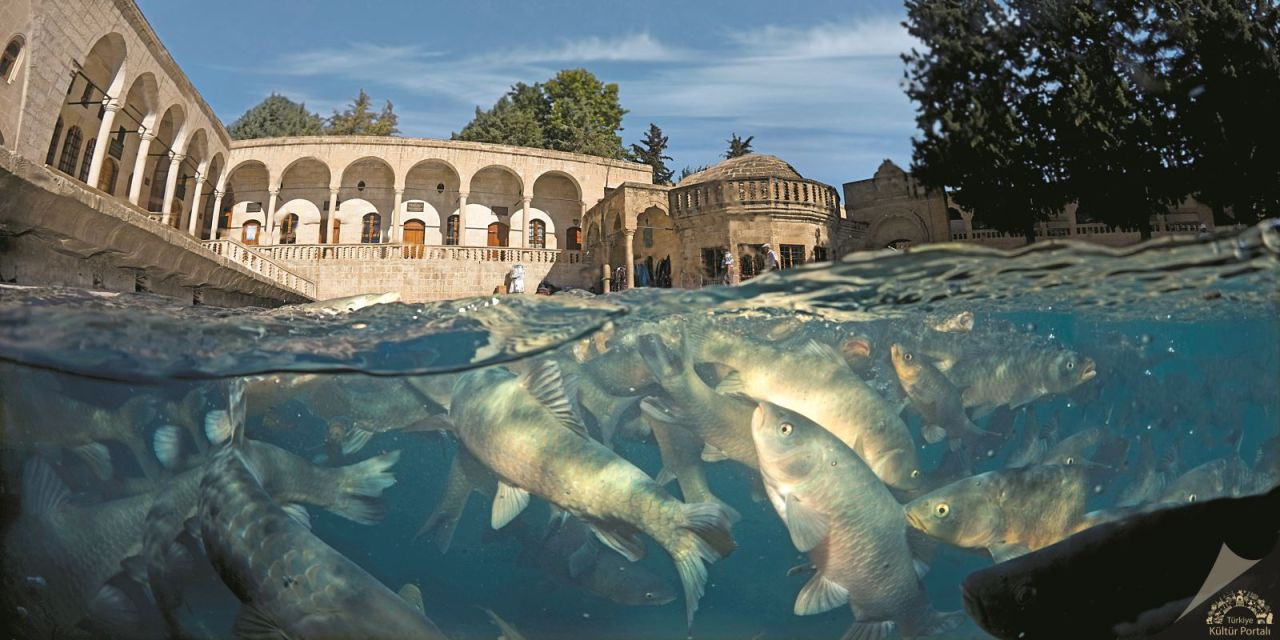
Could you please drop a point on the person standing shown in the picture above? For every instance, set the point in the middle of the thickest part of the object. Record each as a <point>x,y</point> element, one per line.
<point>728,273</point>
<point>515,279</point>
<point>770,257</point>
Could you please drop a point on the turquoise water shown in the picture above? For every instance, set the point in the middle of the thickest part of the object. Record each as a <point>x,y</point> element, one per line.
<point>1184,338</point>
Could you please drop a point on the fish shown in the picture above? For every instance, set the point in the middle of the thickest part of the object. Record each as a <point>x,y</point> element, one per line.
<point>509,632</point>
<point>1076,448</point>
<point>291,583</point>
<point>338,306</point>
<point>959,323</point>
<point>722,421</point>
<point>466,475</point>
<point>607,413</point>
<point>1007,512</point>
<point>1001,378</point>
<point>681,452</point>
<point>1221,478</point>
<point>934,397</point>
<point>359,407</point>
<point>837,510</point>
<point>1033,446</point>
<point>1147,479</point>
<point>815,379</point>
<point>1151,566</point>
<point>522,429</point>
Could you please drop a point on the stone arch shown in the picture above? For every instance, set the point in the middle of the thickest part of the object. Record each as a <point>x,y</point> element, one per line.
<point>429,216</point>
<point>195,164</point>
<point>350,218</point>
<point>246,196</point>
<point>493,195</point>
<point>171,125</point>
<point>101,74</point>
<point>435,183</point>
<point>557,198</point>
<point>307,179</point>
<point>307,230</point>
<point>898,226</point>
<point>214,179</point>
<point>372,180</point>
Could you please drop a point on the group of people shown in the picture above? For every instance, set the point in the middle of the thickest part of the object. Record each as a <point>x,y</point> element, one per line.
<point>729,273</point>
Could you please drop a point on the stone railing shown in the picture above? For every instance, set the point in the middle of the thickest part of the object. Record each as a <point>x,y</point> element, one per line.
<point>371,252</point>
<point>1087,231</point>
<point>773,193</point>
<point>261,264</point>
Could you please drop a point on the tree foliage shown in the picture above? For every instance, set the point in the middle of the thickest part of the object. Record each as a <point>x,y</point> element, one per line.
<point>274,117</point>
<point>573,111</point>
<point>688,171</point>
<point>738,146</point>
<point>650,152</point>
<point>359,119</point>
<point>1124,108</point>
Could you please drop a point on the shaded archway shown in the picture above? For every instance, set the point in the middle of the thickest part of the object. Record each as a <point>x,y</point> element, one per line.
<point>494,193</point>
<point>304,191</point>
<point>371,181</point>
<point>209,195</point>
<point>246,197</point>
<point>654,247</point>
<point>162,150</point>
<point>138,114</point>
<point>100,76</point>
<point>557,199</point>
<point>431,191</point>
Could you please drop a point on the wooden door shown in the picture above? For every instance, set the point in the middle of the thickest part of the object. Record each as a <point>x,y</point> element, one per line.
<point>498,234</point>
<point>337,231</point>
<point>415,233</point>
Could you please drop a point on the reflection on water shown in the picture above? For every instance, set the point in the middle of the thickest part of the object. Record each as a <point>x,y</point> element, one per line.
<point>845,442</point>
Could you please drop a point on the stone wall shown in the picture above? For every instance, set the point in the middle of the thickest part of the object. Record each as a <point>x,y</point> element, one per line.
<point>427,280</point>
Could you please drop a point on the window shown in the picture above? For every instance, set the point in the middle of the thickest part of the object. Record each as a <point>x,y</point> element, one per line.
<point>750,260</point>
<point>87,95</point>
<point>180,187</point>
<point>107,181</point>
<point>360,186</point>
<point>573,239</point>
<point>9,60</point>
<point>371,229</point>
<point>451,229</point>
<point>538,234</point>
<point>70,151</point>
<point>711,263</point>
<point>499,234</point>
<point>440,188</point>
<point>116,150</point>
<point>249,233</point>
<point>790,255</point>
<point>289,229</point>
<point>53,144</point>
<point>819,254</point>
<point>87,160</point>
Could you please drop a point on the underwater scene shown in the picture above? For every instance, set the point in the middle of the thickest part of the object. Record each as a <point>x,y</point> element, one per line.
<point>1057,442</point>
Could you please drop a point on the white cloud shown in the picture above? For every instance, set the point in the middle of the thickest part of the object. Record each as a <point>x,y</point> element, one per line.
<point>867,37</point>
<point>638,47</point>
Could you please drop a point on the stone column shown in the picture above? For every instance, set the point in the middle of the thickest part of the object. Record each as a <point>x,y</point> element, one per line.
<point>140,164</point>
<point>110,106</point>
<point>198,182</point>
<point>170,185</point>
<point>462,218</point>
<point>327,221</point>
<point>523,240</point>
<point>396,223</point>
<point>604,284</point>
<point>217,215</point>
<point>629,236</point>
<point>270,226</point>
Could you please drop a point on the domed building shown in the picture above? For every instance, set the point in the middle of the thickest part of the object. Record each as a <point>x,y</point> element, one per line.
<point>739,204</point>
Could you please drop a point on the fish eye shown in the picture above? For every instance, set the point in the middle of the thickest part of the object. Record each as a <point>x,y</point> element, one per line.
<point>785,428</point>
<point>907,357</point>
<point>915,473</point>
<point>1024,594</point>
<point>1070,460</point>
<point>648,595</point>
<point>1191,498</point>
<point>1071,364</point>
<point>942,510</point>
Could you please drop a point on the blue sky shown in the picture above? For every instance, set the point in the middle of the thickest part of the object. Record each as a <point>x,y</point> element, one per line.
<point>817,83</point>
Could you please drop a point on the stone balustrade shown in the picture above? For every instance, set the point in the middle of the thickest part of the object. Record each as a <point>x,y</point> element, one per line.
<point>779,194</point>
<point>1093,232</point>
<point>261,264</point>
<point>448,253</point>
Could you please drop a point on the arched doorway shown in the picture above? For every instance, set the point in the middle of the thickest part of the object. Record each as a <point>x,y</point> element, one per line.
<point>371,229</point>
<point>249,232</point>
<point>452,230</point>
<point>289,229</point>
<point>537,234</point>
<point>499,235</point>
<point>573,239</point>
<point>415,234</point>
<point>110,173</point>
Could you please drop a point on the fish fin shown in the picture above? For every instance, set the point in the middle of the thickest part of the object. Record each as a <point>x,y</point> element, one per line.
<point>662,411</point>
<point>252,623</point>
<point>237,409</point>
<point>981,411</point>
<point>808,527</point>
<point>1027,397</point>
<point>933,434</point>
<point>443,521</point>
<point>731,384</point>
<point>547,385</point>
<point>803,568</point>
<point>921,568</point>
<point>217,426</point>
<point>822,351</point>
<point>711,540</point>
<point>665,476</point>
<point>298,513</point>
<point>355,439</point>
<point>167,444</point>
<point>583,559</point>
<point>508,502</point>
<point>626,544</point>
<point>98,457</point>
<point>43,492</point>
<point>413,595</point>
<point>882,630</point>
<point>135,568</point>
<point>712,454</point>
<point>113,610</point>
<point>1001,552</point>
<point>820,594</point>
<point>662,362</point>
<point>360,488</point>
<point>438,422</point>
<point>901,406</point>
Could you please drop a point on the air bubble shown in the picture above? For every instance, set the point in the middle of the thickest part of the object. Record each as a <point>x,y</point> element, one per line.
<point>1146,372</point>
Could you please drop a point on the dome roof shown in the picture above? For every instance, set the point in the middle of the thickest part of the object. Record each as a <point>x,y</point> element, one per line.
<point>752,165</point>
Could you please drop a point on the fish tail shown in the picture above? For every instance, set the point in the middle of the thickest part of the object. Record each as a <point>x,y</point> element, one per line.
<point>705,538</point>
<point>662,362</point>
<point>443,521</point>
<point>931,623</point>
<point>360,486</point>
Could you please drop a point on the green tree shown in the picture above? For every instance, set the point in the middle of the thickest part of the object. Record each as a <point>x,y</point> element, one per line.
<point>688,171</point>
<point>275,117</point>
<point>360,120</point>
<point>573,111</point>
<point>738,146</point>
<point>650,153</point>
